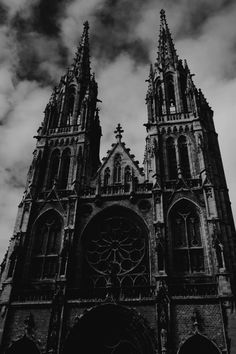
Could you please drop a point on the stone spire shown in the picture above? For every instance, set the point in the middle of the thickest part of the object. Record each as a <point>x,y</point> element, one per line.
<point>167,56</point>
<point>81,65</point>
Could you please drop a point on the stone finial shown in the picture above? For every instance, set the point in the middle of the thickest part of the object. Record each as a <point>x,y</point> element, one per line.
<point>119,132</point>
<point>163,14</point>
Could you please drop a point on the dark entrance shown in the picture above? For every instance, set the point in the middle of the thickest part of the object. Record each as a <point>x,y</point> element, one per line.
<point>198,344</point>
<point>23,346</point>
<point>110,329</point>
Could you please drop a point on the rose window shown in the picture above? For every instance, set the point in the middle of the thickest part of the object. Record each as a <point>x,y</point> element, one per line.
<point>117,245</point>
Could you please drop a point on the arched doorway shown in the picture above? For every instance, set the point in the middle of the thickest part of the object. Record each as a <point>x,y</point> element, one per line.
<point>110,329</point>
<point>23,345</point>
<point>198,344</point>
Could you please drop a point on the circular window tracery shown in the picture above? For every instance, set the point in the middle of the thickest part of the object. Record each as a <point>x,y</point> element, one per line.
<point>117,245</point>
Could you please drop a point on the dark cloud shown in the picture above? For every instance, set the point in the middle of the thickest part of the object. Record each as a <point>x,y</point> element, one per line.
<point>114,28</point>
<point>33,52</point>
<point>3,14</point>
<point>38,41</point>
<point>46,14</point>
<point>44,18</point>
<point>196,14</point>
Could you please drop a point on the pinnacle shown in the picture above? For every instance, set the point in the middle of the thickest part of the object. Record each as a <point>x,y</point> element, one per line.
<point>166,49</point>
<point>86,25</point>
<point>119,132</point>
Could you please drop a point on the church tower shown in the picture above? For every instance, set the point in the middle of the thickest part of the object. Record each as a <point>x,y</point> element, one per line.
<point>109,257</point>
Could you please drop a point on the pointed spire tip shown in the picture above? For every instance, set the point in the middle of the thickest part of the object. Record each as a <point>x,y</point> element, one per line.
<point>163,13</point>
<point>86,25</point>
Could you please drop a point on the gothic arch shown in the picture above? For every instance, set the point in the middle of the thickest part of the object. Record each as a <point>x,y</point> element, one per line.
<point>23,345</point>
<point>46,245</point>
<point>115,245</point>
<point>121,331</point>
<point>198,344</point>
<point>186,237</point>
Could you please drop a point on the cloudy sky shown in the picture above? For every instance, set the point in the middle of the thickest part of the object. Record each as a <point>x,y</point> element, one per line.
<point>38,39</point>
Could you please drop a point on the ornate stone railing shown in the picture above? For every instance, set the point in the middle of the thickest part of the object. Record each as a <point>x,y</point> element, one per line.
<point>193,290</point>
<point>62,130</point>
<point>101,293</point>
<point>115,189</point>
<point>32,295</point>
<point>190,183</point>
<point>118,189</point>
<point>175,117</point>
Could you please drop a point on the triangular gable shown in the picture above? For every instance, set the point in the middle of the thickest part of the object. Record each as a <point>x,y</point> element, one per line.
<point>127,162</point>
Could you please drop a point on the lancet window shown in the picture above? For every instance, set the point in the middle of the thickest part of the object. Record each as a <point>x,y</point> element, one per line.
<point>170,94</point>
<point>46,246</point>
<point>64,169</point>
<point>54,116</point>
<point>68,107</point>
<point>107,175</point>
<point>171,158</point>
<point>127,174</point>
<point>186,238</point>
<point>53,168</point>
<point>117,169</point>
<point>183,157</point>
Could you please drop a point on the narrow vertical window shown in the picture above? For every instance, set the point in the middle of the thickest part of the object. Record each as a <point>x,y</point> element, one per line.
<point>54,116</point>
<point>68,108</point>
<point>117,168</point>
<point>106,177</point>
<point>183,85</point>
<point>64,169</point>
<point>46,247</point>
<point>171,158</point>
<point>127,174</point>
<point>183,157</point>
<point>170,94</point>
<point>186,238</point>
<point>53,168</point>
<point>160,258</point>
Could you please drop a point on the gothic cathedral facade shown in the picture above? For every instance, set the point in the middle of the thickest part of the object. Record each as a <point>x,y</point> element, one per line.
<point>113,258</point>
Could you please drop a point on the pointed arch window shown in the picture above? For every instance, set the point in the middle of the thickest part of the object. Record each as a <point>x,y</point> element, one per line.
<point>107,175</point>
<point>46,246</point>
<point>53,168</point>
<point>183,157</point>
<point>198,344</point>
<point>70,104</point>
<point>64,169</point>
<point>183,85</point>
<point>127,174</point>
<point>115,253</point>
<point>171,158</point>
<point>117,169</point>
<point>186,238</point>
<point>159,98</point>
<point>54,117</point>
<point>170,93</point>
